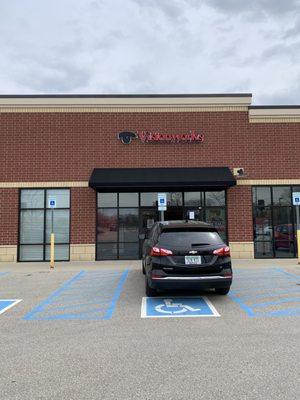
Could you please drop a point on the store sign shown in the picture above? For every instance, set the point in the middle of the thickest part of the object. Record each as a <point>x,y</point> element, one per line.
<point>144,136</point>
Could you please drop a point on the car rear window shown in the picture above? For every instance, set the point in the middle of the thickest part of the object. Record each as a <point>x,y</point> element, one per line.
<point>178,238</point>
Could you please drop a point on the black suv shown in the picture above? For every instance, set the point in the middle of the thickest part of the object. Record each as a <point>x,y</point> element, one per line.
<point>186,255</point>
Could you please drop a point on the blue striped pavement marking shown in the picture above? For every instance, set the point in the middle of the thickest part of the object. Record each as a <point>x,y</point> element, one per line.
<point>3,273</point>
<point>269,292</point>
<point>89,295</point>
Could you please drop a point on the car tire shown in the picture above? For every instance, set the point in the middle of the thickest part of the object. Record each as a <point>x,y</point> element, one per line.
<point>222,291</point>
<point>143,267</point>
<point>150,292</point>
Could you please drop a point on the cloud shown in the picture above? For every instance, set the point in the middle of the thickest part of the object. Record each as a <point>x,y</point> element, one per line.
<point>158,46</point>
<point>268,7</point>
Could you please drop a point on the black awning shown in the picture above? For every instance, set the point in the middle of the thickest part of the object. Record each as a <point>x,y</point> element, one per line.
<point>161,178</point>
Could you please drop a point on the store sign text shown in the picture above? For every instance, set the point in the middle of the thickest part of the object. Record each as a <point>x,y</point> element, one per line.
<point>158,137</point>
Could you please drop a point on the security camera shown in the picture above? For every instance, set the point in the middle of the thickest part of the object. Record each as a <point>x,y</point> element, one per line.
<point>238,172</point>
<point>126,137</point>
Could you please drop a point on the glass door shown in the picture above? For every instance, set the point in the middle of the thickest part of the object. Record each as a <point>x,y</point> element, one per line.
<point>147,218</point>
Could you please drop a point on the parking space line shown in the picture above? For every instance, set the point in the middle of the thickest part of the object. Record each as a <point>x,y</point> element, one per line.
<point>91,295</point>
<point>275,287</point>
<point>6,304</point>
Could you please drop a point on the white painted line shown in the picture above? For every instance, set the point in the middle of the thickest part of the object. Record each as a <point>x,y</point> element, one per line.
<point>15,301</point>
<point>208,302</point>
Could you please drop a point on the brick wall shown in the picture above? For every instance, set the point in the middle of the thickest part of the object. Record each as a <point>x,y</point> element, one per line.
<point>240,223</point>
<point>75,143</point>
<point>83,216</point>
<point>9,199</point>
<point>38,147</point>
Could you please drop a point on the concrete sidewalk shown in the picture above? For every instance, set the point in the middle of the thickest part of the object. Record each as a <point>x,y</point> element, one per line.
<point>290,264</point>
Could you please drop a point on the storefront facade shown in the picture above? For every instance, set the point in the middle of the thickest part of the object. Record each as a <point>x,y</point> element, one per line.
<point>105,158</point>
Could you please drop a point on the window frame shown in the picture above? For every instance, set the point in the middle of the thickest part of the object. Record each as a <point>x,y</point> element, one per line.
<point>272,207</point>
<point>44,209</point>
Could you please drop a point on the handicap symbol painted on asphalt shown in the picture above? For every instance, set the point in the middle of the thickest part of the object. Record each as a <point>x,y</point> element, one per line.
<point>5,304</point>
<point>161,307</point>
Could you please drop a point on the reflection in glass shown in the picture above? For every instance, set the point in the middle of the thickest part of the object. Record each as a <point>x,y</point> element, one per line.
<point>215,198</point>
<point>107,251</point>
<point>128,251</point>
<point>262,196</point>
<point>263,249</point>
<point>263,223</point>
<point>128,224</point>
<point>198,214</point>
<point>283,227</point>
<point>149,199</point>
<point>61,225</point>
<point>192,199</point>
<point>174,199</point>
<point>107,225</point>
<point>284,248</point>
<point>62,197</point>
<point>32,198</point>
<point>107,199</point>
<point>31,253</point>
<point>216,217</point>
<point>281,196</point>
<point>128,199</point>
<point>31,226</point>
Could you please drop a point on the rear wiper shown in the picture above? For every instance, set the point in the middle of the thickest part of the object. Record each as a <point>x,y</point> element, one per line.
<point>200,244</point>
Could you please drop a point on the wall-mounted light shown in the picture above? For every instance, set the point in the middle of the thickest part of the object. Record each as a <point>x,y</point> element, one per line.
<point>238,172</point>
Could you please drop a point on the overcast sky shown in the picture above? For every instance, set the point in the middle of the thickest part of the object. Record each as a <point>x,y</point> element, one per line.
<point>152,46</point>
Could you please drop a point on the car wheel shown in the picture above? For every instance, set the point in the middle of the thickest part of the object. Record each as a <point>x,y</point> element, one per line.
<point>149,291</point>
<point>143,267</point>
<point>222,291</point>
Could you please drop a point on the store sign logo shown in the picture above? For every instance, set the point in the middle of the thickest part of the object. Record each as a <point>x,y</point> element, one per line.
<point>126,137</point>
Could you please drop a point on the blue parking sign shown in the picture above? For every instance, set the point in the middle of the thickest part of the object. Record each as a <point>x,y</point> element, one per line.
<point>170,307</point>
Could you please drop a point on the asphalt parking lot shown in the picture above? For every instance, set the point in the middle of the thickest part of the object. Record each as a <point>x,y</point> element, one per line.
<point>80,333</point>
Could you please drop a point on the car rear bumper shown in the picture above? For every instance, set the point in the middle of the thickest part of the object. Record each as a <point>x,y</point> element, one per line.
<point>191,282</point>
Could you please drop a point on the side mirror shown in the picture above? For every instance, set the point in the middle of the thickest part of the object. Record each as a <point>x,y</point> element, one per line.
<point>142,236</point>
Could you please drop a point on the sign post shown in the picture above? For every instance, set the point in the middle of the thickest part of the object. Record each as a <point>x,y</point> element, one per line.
<point>296,202</point>
<point>52,205</point>
<point>162,204</point>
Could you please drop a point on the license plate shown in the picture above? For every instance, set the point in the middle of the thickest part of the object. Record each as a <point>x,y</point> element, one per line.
<point>191,260</point>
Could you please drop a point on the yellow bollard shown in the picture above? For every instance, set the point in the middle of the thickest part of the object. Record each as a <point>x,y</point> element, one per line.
<point>298,244</point>
<point>52,238</point>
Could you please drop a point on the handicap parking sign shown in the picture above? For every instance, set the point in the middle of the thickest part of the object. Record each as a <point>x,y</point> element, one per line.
<point>170,307</point>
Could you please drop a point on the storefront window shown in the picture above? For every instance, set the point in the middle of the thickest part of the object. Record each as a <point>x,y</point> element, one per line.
<point>36,224</point>
<point>281,196</point>
<point>128,199</point>
<point>262,196</point>
<point>192,199</point>
<point>215,198</point>
<point>149,199</point>
<point>274,222</point>
<point>107,199</point>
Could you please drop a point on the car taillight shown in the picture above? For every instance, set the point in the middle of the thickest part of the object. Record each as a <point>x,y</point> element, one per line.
<point>223,251</point>
<point>158,251</point>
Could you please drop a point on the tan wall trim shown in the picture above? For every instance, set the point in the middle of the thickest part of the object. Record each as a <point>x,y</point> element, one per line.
<point>254,182</point>
<point>10,185</point>
<point>117,101</point>
<point>274,115</point>
<point>241,250</point>
<point>140,109</point>
<point>82,252</point>
<point>242,182</point>
<point>8,253</point>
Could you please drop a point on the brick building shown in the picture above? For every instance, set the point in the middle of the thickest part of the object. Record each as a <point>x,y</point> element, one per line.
<point>104,159</point>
